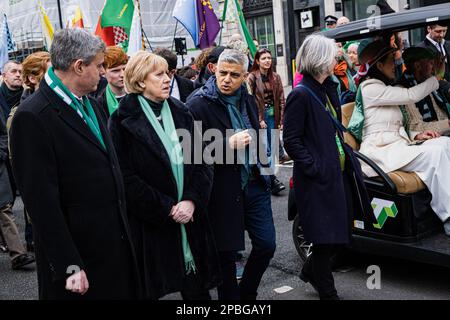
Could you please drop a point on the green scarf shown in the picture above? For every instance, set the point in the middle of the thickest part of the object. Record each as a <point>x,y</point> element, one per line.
<point>356,123</point>
<point>339,146</point>
<point>88,115</point>
<point>238,124</point>
<point>111,100</point>
<point>169,139</point>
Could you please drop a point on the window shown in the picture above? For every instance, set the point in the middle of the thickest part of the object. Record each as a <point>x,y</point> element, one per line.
<point>261,28</point>
<point>356,10</point>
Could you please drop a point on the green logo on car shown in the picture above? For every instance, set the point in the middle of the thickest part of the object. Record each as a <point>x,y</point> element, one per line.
<point>382,210</point>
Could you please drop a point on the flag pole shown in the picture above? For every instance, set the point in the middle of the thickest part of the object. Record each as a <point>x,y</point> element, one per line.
<point>142,26</point>
<point>59,14</point>
<point>220,37</point>
<point>174,34</point>
<point>222,20</point>
<point>149,44</point>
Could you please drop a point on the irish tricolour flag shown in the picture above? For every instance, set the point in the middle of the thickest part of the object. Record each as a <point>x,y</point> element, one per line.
<point>119,24</point>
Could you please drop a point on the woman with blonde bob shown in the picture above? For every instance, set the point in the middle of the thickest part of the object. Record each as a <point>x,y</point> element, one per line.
<point>166,193</point>
<point>326,173</point>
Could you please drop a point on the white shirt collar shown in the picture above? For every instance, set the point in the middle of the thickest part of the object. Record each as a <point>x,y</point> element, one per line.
<point>175,91</point>
<point>439,46</point>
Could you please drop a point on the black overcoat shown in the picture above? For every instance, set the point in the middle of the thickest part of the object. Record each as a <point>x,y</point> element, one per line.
<point>185,87</point>
<point>73,190</point>
<point>309,139</point>
<point>226,205</point>
<point>151,193</point>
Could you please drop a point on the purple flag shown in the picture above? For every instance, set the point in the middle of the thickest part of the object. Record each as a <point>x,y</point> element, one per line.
<point>208,24</point>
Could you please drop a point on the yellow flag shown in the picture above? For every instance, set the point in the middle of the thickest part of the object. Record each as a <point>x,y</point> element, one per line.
<point>47,27</point>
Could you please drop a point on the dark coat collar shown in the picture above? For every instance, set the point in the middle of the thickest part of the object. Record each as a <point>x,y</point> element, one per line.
<point>327,88</point>
<point>132,118</point>
<point>209,92</point>
<point>71,117</point>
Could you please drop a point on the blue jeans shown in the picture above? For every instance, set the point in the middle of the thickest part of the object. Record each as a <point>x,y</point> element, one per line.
<point>261,230</point>
<point>260,227</point>
<point>270,122</point>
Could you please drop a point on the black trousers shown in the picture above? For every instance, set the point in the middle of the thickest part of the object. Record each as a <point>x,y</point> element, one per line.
<point>229,289</point>
<point>318,268</point>
<point>193,290</point>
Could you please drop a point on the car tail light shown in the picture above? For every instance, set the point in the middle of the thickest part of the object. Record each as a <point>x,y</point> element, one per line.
<point>291,183</point>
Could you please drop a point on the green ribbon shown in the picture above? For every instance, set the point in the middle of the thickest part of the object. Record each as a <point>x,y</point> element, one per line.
<point>340,148</point>
<point>64,93</point>
<point>111,100</point>
<point>169,139</point>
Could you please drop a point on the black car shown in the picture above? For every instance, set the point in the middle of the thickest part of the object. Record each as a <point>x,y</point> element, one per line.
<point>407,226</point>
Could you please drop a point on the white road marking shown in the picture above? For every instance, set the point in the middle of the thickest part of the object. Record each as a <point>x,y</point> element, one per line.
<point>283,289</point>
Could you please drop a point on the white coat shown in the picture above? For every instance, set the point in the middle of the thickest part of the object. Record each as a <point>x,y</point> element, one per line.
<point>385,140</point>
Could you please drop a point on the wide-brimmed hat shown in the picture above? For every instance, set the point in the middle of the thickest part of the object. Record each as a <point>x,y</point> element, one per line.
<point>414,54</point>
<point>374,52</point>
<point>369,53</point>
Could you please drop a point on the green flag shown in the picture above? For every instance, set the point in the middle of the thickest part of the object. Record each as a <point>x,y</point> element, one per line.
<point>118,13</point>
<point>120,25</point>
<point>232,12</point>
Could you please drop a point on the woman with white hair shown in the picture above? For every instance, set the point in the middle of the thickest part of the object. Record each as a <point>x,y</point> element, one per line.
<point>326,173</point>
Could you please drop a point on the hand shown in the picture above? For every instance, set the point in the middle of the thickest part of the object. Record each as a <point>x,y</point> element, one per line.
<point>240,140</point>
<point>263,124</point>
<point>78,283</point>
<point>183,212</point>
<point>426,135</point>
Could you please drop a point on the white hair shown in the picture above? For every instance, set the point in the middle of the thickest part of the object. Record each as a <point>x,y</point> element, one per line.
<point>234,56</point>
<point>316,55</point>
<point>356,45</point>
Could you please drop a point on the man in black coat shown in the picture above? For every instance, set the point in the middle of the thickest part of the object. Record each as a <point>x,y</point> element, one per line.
<point>68,174</point>
<point>435,41</point>
<point>240,197</point>
<point>11,88</point>
<point>180,88</point>
<point>8,228</point>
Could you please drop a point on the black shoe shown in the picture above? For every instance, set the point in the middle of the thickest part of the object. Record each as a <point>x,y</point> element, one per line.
<point>306,278</point>
<point>333,297</point>
<point>277,186</point>
<point>285,159</point>
<point>21,261</point>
